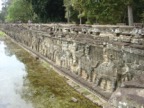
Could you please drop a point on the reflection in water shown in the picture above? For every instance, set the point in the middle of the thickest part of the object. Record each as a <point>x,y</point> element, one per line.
<point>12,72</point>
<point>29,83</point>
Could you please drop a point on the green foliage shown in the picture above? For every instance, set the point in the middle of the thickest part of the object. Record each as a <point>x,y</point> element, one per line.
<point>106,11</point>
<point>70,13</point>
<point>98,11</point>
<point>2,15</point>
<point>3,12</point>
<point>19,10</point>
<point>142,15</point>
<point>48,10</point>
<point>87,11</point>
<point>110,11</point>
<point>138,10</point>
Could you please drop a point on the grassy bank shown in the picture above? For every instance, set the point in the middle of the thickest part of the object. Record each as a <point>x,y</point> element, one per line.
<point>2,34</point>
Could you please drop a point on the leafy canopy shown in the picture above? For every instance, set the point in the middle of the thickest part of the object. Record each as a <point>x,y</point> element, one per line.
<point>19,10</point>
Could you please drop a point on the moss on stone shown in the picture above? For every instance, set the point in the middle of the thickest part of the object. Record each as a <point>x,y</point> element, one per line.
<point>44,87</point>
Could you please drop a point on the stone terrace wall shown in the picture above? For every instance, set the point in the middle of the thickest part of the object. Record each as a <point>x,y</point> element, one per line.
<point>105,56</point>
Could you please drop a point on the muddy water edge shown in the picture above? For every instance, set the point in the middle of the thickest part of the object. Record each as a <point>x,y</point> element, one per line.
<point>41,86</point>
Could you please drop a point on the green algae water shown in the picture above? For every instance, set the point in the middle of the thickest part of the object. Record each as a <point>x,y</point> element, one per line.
<point>26,82</point>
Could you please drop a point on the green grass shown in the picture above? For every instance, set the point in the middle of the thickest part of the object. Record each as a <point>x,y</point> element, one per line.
<point>2,33</point>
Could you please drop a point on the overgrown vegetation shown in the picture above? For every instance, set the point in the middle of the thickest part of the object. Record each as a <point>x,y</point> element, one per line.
<point>74,11</point>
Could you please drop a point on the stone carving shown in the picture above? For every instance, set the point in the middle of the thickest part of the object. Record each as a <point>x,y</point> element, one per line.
<point>85,64</point>
<point>131,95</point>
<point>105,61</point>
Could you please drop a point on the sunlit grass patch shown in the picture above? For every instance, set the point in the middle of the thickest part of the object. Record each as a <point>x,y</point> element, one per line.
<point>2,33</point>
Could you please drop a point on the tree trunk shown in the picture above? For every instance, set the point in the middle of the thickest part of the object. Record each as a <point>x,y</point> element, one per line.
<point>80,18</point>
<point>68,20</point>
<point>130,15</point>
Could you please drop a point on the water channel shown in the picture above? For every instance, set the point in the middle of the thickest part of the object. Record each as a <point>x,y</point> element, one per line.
<point>26,82</point>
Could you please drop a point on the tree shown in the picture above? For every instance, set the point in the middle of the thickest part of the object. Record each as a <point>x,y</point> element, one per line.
<point>19,10</point>
<point>77,5</point>
<point>3,12</point>
<point>71,14</point>
<point>138,9</point>
<point>48,10</point>
<point>134,7</point>
<point>86,11</point>
<point>102,11</point>
<point>67,4</point>
<point>110,12</point>
<point>129,4</point>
